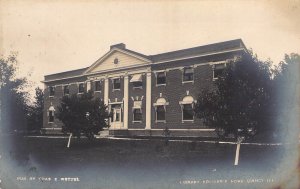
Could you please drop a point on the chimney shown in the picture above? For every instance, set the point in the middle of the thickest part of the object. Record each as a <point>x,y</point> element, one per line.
<point>119,46</point>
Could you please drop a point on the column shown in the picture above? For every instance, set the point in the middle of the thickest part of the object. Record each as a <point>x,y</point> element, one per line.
<point>148,100</point>
<point>125,111</point>
<point>106,88</point>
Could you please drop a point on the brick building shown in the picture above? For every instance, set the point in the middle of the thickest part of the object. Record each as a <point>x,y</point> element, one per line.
<point>146,93</point>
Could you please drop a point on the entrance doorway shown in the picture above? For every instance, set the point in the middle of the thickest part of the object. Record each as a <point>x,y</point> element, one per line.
<point>117,118</point>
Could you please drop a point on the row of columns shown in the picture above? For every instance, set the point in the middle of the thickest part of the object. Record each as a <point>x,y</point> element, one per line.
<point>126,99</point>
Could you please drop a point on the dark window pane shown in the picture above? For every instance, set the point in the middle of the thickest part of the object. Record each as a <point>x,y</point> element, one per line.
<point>137,84</point>
<point>161,78</point>
<point>137,114</point>
<point>188,74</point>
<point>117,83</point>
<point>218,70</point>
<point>51,91</point>
<point>66,90</point>
<point>218,73</point>
<point>118,115</point>
<point>97,86</point>
<point>51,116</point>
<point>112,113</point>
<point>161,113</point>
<point>188,113</point>
<point>80,88</point>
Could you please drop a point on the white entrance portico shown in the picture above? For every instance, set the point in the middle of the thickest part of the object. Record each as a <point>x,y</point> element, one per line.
<point>116,121</point>
<point>131,68</point>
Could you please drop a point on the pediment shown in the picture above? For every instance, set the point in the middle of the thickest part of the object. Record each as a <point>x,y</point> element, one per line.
<point>117,59</point>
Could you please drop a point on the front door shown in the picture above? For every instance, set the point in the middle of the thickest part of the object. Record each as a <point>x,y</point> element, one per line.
<point>116,121</point>
<point>117,115</point>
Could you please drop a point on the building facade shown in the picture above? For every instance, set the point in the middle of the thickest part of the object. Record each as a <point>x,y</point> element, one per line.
<point>145,93</point>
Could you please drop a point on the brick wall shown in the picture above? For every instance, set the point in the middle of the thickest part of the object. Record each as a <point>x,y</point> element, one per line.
<point>112,94</point>
<point>175,90</point>
<point>55,100</point>
<point>137,94</point>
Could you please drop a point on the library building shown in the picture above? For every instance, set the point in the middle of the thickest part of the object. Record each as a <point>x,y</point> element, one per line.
<point>145,93</point>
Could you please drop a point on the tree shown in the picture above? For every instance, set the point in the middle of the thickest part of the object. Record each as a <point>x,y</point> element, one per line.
<point>286,96</point>
<point>13,97</point>
<point>238,104</point>
<point>35,111</point>
<point>82,114</point>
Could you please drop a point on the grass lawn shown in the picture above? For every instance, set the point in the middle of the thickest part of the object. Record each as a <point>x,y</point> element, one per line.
<point>107,163</point>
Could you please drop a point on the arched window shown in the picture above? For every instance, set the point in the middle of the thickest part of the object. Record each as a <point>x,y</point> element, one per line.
<point>51,114</point>
<point>160,109</point>
<point>187,107</point>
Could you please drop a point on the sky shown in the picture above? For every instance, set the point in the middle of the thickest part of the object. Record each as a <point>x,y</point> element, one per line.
<point>56,36</point>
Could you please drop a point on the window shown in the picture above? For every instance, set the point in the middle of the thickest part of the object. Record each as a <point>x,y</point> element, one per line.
<point>97,86</point>
<point>51,114</point>
<point>187,112</point>
<point>116,113</point>
<point>66,90</point>
<point>187,105</point>
<point>160,109</point>
<point>160,113</point>
<point>51,91</point>
<point>218,70</point>
<point>81,88</point>
<point>137,114</point>
<point>188,74</point>
<point>116,83</point>
<point>161,78</point>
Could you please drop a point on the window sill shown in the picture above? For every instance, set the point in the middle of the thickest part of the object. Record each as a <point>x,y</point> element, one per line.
<point>187,121</point>
<point>97,91</point>
<point>160,121</point>
<point>116,90</point>
<point>51,96</point>
<point>137,87</point>
<point>136,121</point>
<point>79,93</point>
<point>50,122</point>
<point>158,85</point>
<point>183,82</point>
